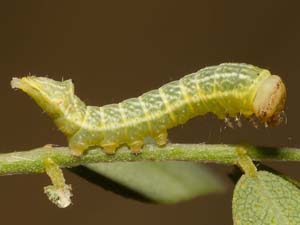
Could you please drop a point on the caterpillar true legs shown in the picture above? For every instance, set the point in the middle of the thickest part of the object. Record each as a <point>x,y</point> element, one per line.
<point>228,89</point>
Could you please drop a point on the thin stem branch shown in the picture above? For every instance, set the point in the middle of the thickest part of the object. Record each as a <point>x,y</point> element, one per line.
<point>32,161</point>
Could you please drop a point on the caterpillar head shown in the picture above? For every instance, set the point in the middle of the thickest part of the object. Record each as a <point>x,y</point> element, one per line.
<point>269,101</point>
<point>52,96</point>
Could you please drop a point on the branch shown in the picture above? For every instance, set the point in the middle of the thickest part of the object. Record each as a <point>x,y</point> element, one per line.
<point>32,161</point>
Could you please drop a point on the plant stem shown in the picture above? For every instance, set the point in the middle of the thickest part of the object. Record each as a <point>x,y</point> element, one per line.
<point>32,161</point>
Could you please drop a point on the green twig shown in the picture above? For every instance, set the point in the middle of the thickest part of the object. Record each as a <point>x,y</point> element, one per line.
<point>32,161</point>
<point>245,162</point>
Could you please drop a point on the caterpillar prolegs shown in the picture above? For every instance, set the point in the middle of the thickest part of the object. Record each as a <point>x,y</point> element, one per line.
<point>227,89</point>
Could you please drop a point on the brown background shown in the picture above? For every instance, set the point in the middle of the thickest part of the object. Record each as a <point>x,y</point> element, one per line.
<point>119,49</point>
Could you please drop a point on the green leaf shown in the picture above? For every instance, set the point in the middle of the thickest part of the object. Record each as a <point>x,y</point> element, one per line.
<point>159,182</point>
<point>266,199</point>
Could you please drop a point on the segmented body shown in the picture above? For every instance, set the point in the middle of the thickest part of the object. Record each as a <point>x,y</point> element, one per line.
<point>225,90</point>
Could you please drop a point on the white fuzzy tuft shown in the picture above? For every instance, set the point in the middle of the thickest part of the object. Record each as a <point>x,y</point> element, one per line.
<point>59,196</point>
<point>15,83</point>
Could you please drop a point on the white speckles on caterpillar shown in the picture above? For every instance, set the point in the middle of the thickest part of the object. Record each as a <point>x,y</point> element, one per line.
<point>227,90</point>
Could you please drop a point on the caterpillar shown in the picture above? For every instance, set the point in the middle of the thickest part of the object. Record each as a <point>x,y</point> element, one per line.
<point>227,90</point>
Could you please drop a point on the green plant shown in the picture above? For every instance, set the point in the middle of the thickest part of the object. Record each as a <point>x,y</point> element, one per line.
<point>259,196</point>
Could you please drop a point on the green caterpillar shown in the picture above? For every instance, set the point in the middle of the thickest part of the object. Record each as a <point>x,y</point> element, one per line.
<point>227,89</point>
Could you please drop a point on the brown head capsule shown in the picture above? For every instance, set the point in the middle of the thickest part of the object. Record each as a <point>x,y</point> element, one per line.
<point>270,100</point>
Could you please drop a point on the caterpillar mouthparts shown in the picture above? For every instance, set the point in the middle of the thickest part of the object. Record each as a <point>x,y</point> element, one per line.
<point>227,90</point>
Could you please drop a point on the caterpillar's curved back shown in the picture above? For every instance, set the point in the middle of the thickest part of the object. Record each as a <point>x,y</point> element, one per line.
<point>225,90</point>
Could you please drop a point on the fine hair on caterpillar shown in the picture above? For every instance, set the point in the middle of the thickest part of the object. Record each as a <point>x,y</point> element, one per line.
<point>226,90</point>
<point>239,120</point>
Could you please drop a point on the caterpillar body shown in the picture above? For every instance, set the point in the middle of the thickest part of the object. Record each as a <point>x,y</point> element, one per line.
<point>227,89</point>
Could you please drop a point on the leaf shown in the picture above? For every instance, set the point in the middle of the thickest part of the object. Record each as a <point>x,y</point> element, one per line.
<point>159,182</point>
<point>266,199</point>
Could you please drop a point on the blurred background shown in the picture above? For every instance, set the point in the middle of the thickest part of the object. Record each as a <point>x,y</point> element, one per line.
<point>114,50</point>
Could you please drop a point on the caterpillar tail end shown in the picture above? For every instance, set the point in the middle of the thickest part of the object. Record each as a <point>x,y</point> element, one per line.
<point>270,101</point>
<point>15,83</point>
<point>24,83</point>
